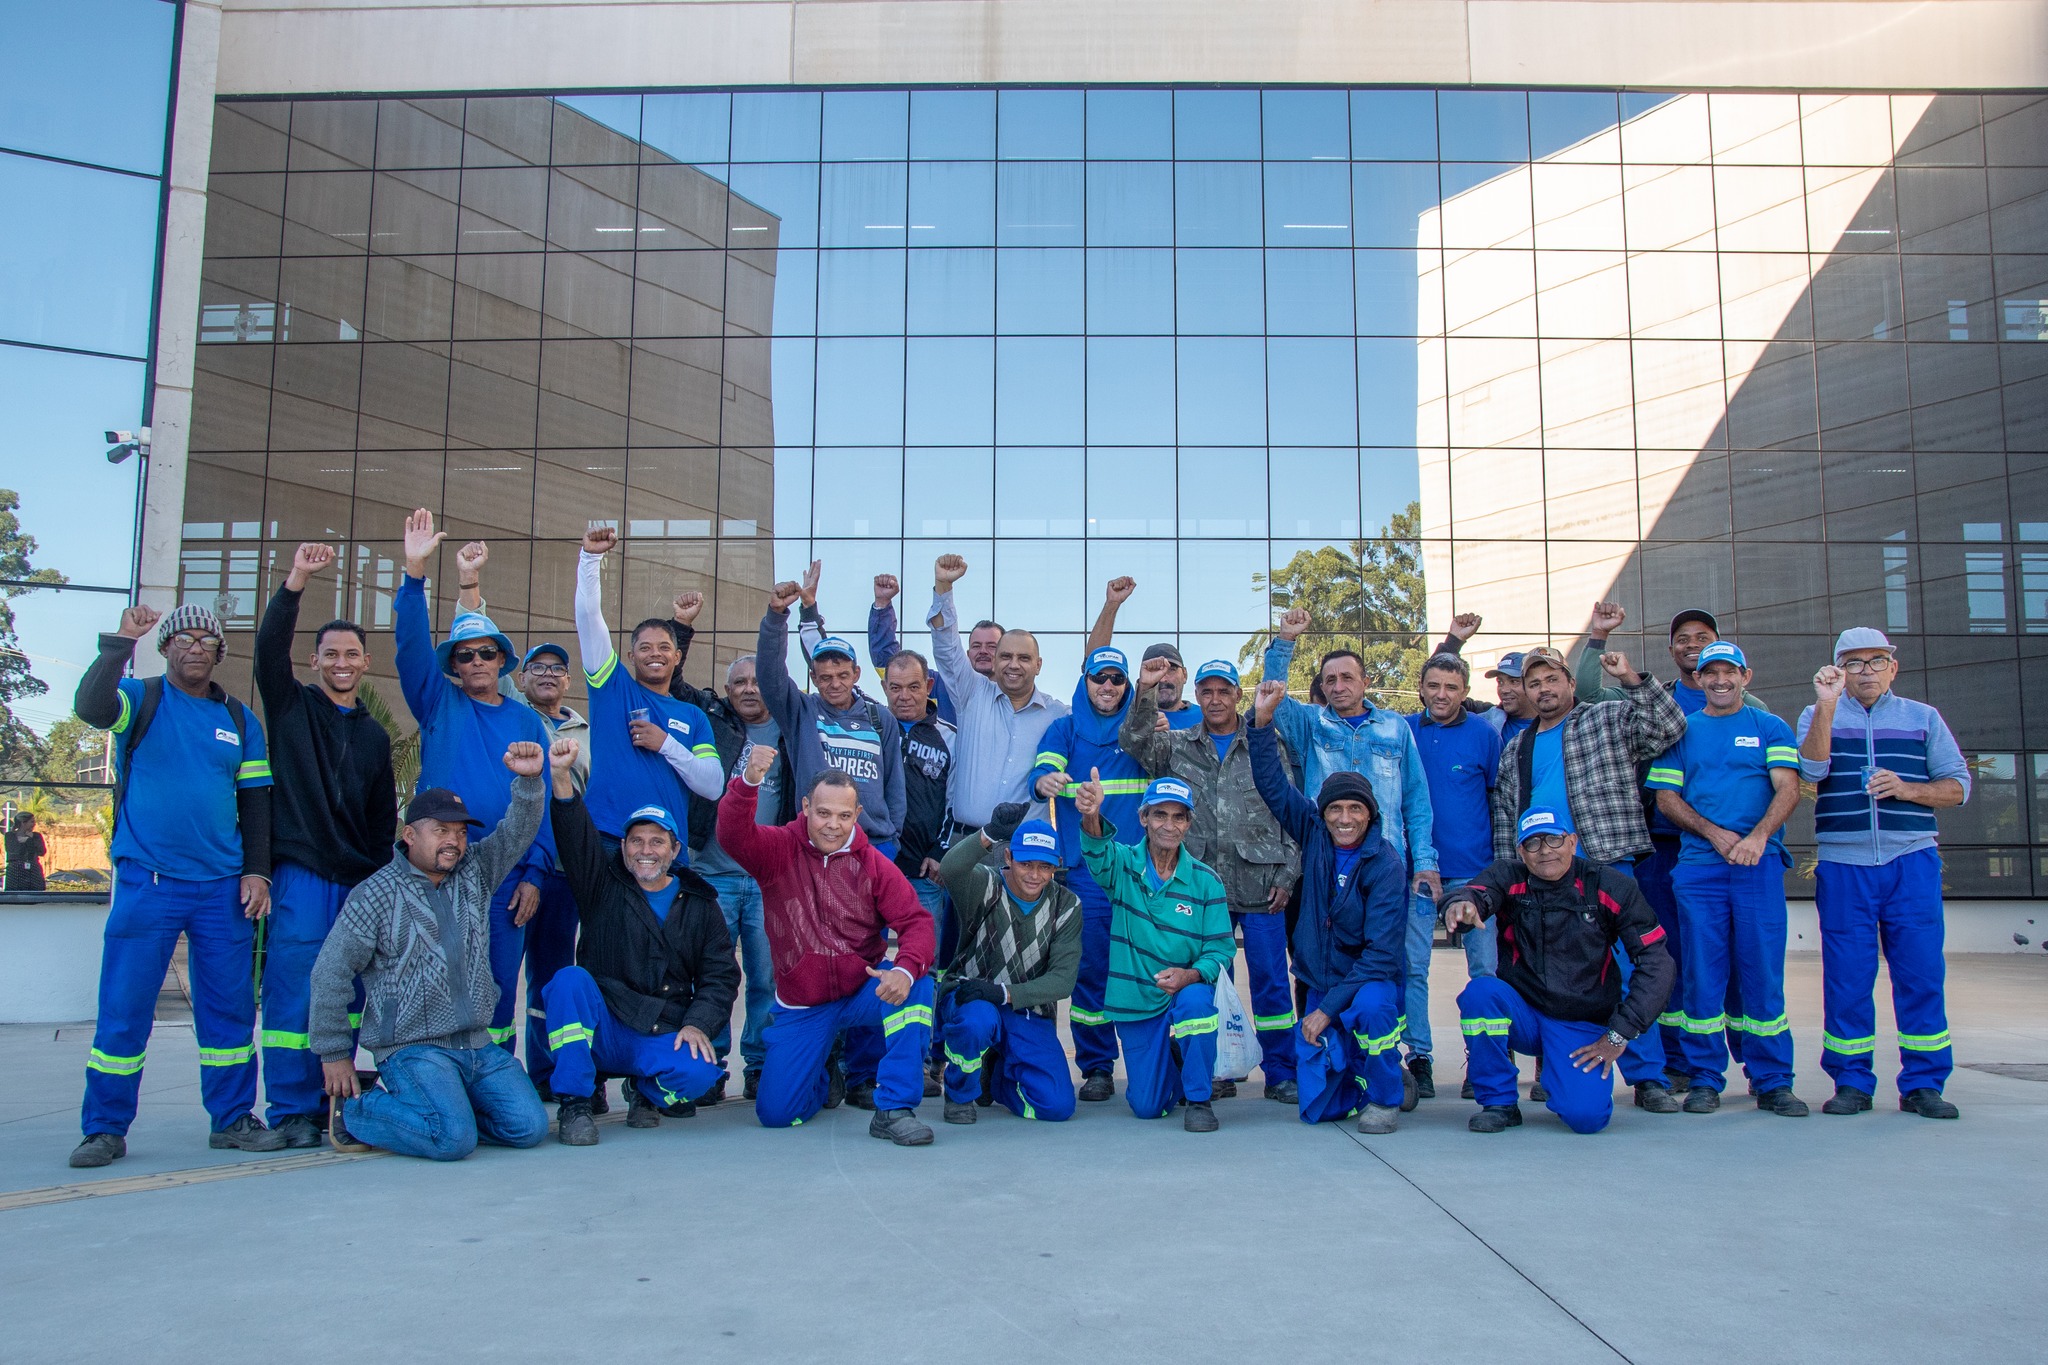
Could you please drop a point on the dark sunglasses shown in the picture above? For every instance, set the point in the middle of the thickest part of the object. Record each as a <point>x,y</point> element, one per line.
<point>485,652</point>
<point>1113,678</point>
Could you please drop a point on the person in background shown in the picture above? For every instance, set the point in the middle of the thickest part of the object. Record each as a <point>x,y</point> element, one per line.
<point>334,810</point>
<point>1173,709</point>
<point>191,852</point>
<point>883,646</point>
<point>1883,765</point>
<point>1513,715</point>
<point>26,849</point>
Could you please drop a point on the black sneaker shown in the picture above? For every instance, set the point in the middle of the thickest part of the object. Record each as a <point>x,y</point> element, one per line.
<point>338,1135</point>
<point>716,1094</point>
<point>1848,1100</point>
<point>900,1126</point>
<point>1411,1091</point>
<point>1655,1097</point>
<point>574,1127</point>
<point>1679,1082</point>
<point>1928,1104</point>
<point>246,1134</point>
<point>299,1130</point>
<point>1425,1077</point>
<point>1286,1092</point>
<point>98,1149</point>
<point>957,1112</point>
<point>1200,1117</point>
<point>1223,1090</point>
<point>753,1085</point>
<point>600,1101</point>
<point>1465,1090</point>
<point>643,1112</point>
<point>1783,1103</point>
<point>540,1088</point>
<point>1700,1100</point>
<point>835,1085</point>
<point>1097,1086</point>
<point>861,1094</point>
<point>681,1109</point>
<point>934,1080</point>
<point>1496,1118</point>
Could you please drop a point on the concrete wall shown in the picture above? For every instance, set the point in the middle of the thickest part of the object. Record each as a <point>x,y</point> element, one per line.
<point>50,961</point>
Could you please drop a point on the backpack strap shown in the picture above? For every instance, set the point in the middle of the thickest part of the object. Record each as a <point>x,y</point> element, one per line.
<point>152,699</point>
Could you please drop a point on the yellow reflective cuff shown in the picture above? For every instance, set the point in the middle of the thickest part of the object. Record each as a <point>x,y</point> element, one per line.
<point>567,1034</point>
<point>1189,1028</point>
<point>1848,1047</point>
<point>604,671</point>
<point>909,1014</point>
<point>1762,1028</point>
<point>226,1056</point>
<point>1077,1015</point>
<point>1781,755</point>
<point>1266,1023</point>
<point>1493,1028</point>
<point>504,1035</point>
<point>1713,1025</point>
<point>1375,1046</point>
<point>705,751</point>
<point>1667,777</point>
<point>1671,1017</point>
<point>1058,761</point>
<point>255,767</point>
<point>968,1065</point>
<point>127,714</point>
<point>114,1066</point>
<point>279,1038</point>
<point>1112,786</point>
<point>1924,1042</point>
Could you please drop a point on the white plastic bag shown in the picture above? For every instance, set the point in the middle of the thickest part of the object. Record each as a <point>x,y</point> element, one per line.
<point>1237,1046</point>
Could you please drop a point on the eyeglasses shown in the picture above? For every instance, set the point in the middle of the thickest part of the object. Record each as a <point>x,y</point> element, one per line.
<point>1861,666</point>
<point>547,670</point>
<point>185,641</point>
<point>1546,842</point>
<point>485,652</point>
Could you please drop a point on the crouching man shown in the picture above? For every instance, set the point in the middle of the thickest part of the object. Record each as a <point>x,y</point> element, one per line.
<point>654,977</point>
<point>418,932</point>
<point>1020,950</point>
<point>1556,994</point>
<point>1169,939</point>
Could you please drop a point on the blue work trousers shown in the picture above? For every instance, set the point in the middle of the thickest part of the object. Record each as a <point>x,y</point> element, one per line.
<point>1498,1023</point>
<point>739,896</point>
<point>1735,932</point>
<point>440,1102</point>
<point>1896,907</point>
<point>587,1039</point>
<point>1358,1058</point>
<point>550,946</point>
<point>799,1039</point>
<point>303,907</point>
<point>1095,1041</point>
<point>1172,1055</point>
<point>508,946</point>
<point>1030,1074</point>
<point>1272,991</point>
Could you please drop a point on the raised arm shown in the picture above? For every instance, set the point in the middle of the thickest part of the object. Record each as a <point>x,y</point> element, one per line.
<point>756,847</point>
<point>771,663</point>
<point>1295,812</point>
<point>949,657</point>
<point>98,700</point>
<point>1590,680</point>
<point>469,575</point>
<point>1139,736</point>
<point>506,846</point>
<point>1117,592</point>
<point>593,636</point>
<point>882,645</point>
<point>419,672</point>
<point>275,682</point>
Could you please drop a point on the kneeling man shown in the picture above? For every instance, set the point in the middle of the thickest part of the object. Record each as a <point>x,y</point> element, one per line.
<point>1020,950</point>
<point>418,932</point>
<point>654,978</point>
<point>1170,938</point>
<point>1556,994</point>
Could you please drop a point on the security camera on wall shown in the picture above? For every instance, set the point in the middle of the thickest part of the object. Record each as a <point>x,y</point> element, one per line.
<point>122,444</point>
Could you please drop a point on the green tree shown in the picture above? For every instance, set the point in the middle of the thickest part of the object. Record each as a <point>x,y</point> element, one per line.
<point>71,746</point>
<point>20,749</point>
<point>1368,597</point>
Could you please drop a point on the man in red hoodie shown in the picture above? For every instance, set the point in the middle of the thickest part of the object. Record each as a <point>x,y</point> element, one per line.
<point>828,899</point>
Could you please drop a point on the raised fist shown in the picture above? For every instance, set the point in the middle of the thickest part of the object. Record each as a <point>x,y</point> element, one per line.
<point>470,560</point>
<point>1607,618</point>
<point>1828,683</point>
<point>599,540</point>
<point>1615,665</point>
<point>1267,701</point>
<point>312,557</point>
<point>782,595</point>
<point>1293,622</point>
<point>1152,672</point>
<point>525,758</point>
<point>1465,625</point>
<point>687,605</point>
<point>1120,589</point>
<point>138,621</point>
<point>886,588</point>
<point>949,569</point>
<point>562,753</point>
<point>760,759</point>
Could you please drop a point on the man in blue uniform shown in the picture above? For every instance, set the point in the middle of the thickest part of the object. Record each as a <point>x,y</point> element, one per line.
<point>192,856</point>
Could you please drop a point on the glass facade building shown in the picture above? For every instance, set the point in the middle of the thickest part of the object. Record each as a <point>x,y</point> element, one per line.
<point>1390,354</point>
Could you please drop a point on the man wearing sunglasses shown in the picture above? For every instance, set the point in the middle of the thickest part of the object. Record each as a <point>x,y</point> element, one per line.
<point>466,724</point>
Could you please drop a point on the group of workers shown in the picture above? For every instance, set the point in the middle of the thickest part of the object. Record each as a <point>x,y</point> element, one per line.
<point>916,877</point>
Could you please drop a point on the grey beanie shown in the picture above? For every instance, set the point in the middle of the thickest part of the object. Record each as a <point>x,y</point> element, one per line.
<point>190,616</point>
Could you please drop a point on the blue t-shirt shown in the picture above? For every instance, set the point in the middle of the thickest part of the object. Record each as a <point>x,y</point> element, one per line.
<point>1222,743</point>
<point>1689,699</point>
<point>1187,718</point>
<point>1462,763</point>
<point>179,818</point>
<point>660,901</point>
<point>1512,726</point>
<point>1546,771</point>
<point>623,776</point>
<point>1027,907</point>
<point>1355,721</point>
<point>1347,863</point>
<point>1721,766</point>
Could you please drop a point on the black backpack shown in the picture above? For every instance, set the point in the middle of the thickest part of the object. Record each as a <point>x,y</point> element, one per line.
<point>152,698</point>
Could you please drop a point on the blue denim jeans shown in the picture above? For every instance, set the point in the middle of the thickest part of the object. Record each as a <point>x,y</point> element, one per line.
<point>1422,922</point>
<point>933,897</point>
<point>439,1102</point>
<point>739,896</point>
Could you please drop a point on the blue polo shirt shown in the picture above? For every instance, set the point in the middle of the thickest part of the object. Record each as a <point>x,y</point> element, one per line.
<point>623,776</point>
<point>179,817</point>
<point>1462,763</point>
<point>1721,766</point>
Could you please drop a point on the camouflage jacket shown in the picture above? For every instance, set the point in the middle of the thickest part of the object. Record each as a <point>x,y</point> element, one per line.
<point>1233,832</point>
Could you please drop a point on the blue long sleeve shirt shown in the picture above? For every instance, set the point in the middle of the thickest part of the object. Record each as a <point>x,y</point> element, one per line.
<point>883,646</point>
<point>1909,738</point>
<point>1380,746</point>
<point>1462,762</point>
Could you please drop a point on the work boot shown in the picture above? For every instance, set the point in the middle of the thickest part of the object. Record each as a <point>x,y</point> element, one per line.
<point>900,1126</point>
<point>835,1084</point>
<point>1200,1117</point>
<point>1928,1104</point>
<point>1465,1090</point>
<point>991,1063</point>
<point>600,1100</point>
<point>338,1135</point>
<point>957,1112</point>
<point>1656,1097</point>
<point>1700,1100</point>
<point>681,1109</point>
<point>753,1087</point>
<point>1284,1092</point>
<point>98,1149</point>
<point>934,1079</point>
<point>542,1089</point>
<point>1537,1092</point>
<point>1411,1091</point>
<point>1848,1100</point>
<point>716,1094</point>
<point>246,1134</point>
<point>1097,1085</point>
<point>1496,1118</point>
<point>1223,1090</point>
<point>1378,1118</point>
<point>1783,1103</point>
<point>1425,1077</point>
<point>574,1127</point>
<point>860,1094</point>
<point>1680,1082</point>
<point>643,1112</point>
<point>299,1130</point>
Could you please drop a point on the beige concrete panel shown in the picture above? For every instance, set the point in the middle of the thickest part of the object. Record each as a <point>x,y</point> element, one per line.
<point>1674,294</point>
<point>1817,45</point>
<point>1591,495</point>
<point>1587,394</point>
<point>1583,293</point>
<point>1491,293</point>
<point>1496,495</point>
<point>1503,580</point>
<point>1578,207</point>
<point>307,48</point>
<point>1494,399</point>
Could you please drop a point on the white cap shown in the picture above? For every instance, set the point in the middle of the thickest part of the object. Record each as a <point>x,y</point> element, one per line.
<point>1861,637</point>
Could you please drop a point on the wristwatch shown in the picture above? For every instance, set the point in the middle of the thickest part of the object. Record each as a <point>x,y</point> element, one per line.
<point>1614,1039</point>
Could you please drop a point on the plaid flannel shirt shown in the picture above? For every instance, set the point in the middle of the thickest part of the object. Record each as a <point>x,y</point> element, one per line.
<point>1603,742</point>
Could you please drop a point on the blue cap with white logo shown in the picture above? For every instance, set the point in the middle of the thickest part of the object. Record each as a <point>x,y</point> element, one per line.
<point>831,645</point>
<point>1168,791</point>
<point>545,647</point>
<point>1218,668</point>
<point>652,815</point>
<point>1510,666</point>
<point>1721,652</point>
<point>1541,820</point>
<point>1035,842</point>
<point>1106,658</point>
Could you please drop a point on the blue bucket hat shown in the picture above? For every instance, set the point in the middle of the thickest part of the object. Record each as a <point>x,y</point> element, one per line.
<point>1108,657</point>
<point>651,815</point>
<point>1035,841</point>
<point>1165,791</point>
<point>1218,668</point>
<point>474,625</point>
<point>1542,820</point>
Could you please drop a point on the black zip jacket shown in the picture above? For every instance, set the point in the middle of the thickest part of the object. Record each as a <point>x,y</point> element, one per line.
<point>656,978</point>
<point>335,812</point>
<point>1557,943</point>
<point>927,773</point>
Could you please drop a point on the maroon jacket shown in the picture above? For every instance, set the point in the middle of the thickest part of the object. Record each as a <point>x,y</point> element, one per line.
<point>825,913</point>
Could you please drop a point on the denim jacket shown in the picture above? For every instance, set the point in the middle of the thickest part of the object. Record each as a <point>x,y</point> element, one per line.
<point>1383,748</point>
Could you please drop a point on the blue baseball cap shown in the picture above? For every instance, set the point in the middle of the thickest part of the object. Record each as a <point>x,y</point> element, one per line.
<point>1721,652</point>
<point>474,625</point>
<point>834,644</point>
<point>1168,791</point>
<point>1510,666</point>
<point>1218,668</point>
<point>1035,842</point>
<point>545,647</point>
<point>651,815</point>
<point>1105,658</point>
<point>1542,820</point>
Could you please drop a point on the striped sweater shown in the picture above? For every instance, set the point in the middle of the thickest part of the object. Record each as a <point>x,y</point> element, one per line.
<point>1184,923</point>
<point>1909,738</point>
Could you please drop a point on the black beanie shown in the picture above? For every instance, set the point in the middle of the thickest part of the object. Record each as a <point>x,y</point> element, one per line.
<point>1347,786</point>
